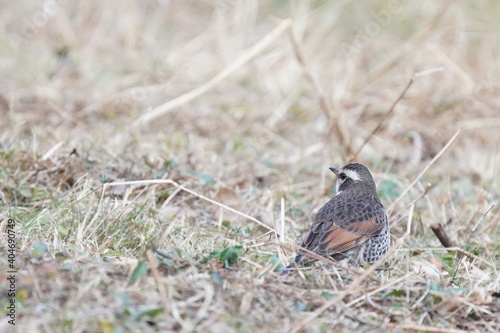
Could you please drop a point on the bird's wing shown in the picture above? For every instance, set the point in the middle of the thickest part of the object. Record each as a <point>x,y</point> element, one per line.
<point>329,236</point>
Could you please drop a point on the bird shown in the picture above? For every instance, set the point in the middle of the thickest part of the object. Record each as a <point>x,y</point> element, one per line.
<point>352,227</point>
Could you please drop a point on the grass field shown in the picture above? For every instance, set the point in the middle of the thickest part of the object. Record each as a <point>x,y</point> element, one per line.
<point>160,162</point>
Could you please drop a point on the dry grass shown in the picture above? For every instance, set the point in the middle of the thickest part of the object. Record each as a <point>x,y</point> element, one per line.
<point>216,122</point>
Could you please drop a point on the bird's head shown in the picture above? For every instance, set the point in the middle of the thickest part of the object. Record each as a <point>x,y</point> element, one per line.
<point>354,176</point>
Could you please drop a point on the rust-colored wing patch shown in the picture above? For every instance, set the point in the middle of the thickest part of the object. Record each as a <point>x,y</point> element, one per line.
<point>344,224</point>
<point>336,239</point>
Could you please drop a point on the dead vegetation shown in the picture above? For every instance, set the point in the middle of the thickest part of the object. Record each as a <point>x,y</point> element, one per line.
<point>162,159</point>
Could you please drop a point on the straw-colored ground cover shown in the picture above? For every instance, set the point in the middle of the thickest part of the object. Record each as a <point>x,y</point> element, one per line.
<point>160,162</point>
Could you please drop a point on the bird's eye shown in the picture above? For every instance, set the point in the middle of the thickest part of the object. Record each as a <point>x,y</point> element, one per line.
<point>342,176</point>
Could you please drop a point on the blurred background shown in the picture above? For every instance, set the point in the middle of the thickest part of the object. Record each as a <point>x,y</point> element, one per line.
<point>78,77</point>
<point>81,79</point>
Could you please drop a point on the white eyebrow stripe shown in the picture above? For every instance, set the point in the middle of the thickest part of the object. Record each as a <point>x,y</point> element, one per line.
<point>352,174</point>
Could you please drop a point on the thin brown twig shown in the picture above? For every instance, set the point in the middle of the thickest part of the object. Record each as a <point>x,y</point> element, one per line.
<point>422,328</point>
<point>381,122</point>
<point>416,40</point>
<point>333,121</point>
<point>341,296</point>
<point>375,291</point>
<point>358,281</point>
<point>423,194</point>
<point>442,235</point>
<point>171,182</point>
<point>309,254</point>
<point>438,155</point>
<point>161,289</point>
<point>166,107</point>
<point>468,240</point>
<point>451,249</point>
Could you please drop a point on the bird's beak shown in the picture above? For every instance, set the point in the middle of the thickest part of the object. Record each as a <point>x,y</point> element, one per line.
<point>335,171</point>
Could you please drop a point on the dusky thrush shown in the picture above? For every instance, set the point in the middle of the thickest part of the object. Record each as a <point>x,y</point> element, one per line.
<point>353,225</point>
